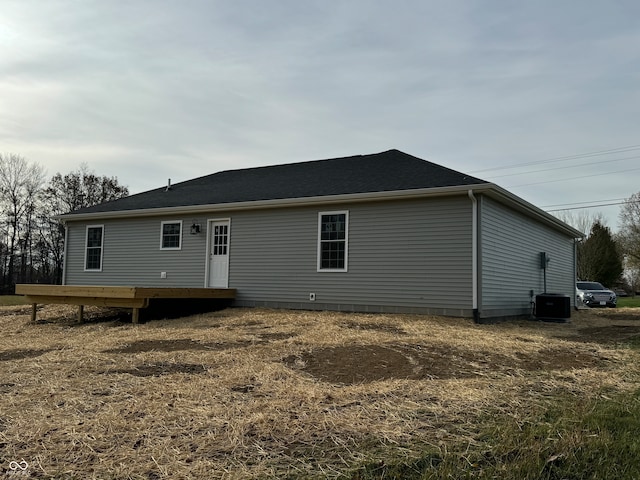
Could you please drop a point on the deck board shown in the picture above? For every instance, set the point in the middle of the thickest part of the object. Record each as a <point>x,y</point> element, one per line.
<point>122,291</point>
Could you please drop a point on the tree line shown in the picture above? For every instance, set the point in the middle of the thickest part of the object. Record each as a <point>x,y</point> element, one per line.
<point>31,239</point>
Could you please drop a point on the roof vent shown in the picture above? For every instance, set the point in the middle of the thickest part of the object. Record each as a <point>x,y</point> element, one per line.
<point>168,185</point>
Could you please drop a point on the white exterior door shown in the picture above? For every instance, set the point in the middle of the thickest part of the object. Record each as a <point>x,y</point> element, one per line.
<point>219,253</point>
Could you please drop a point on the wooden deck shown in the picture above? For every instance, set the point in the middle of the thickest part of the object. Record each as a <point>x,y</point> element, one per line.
<point>112,296</point>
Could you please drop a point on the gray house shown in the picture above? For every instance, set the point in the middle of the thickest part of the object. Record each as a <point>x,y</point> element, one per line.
<point>386,232</point>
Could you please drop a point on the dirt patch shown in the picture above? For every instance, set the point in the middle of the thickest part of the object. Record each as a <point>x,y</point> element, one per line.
<point>350,365</point>
<point>557,359</point>
<point>181,344</point>
<point>622,314</point>
<point>609,334</point>
<point>160,368</point>
<point>248,388</point>
<point>369,363</point>
<point>253,323</point>
<point>15,310</point>
<point>6,387</point>
<point>633,316</point>
<point>377,327</point>
<point>20,354</point>
<point>175,346</point>
<point>269,337</point>
<point>614,314</point>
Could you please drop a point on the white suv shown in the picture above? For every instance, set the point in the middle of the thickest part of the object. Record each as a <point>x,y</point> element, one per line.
<point>593,294</point>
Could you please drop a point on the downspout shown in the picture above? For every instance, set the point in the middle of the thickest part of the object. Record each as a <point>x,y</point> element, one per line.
<point>575,273</point>
<point>64,254</point>
<point>474,255</point>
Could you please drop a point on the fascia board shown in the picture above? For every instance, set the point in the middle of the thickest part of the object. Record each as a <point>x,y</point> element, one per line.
<point>278,203</point>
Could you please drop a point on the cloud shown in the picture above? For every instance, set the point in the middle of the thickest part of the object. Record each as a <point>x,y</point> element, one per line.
<point>164,89</point>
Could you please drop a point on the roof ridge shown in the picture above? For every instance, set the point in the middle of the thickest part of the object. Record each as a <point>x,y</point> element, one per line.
<point>280,165</point>
<point>304,162</point>
<point>389,170</point>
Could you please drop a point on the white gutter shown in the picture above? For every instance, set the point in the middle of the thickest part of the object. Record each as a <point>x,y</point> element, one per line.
<point>474,250</point>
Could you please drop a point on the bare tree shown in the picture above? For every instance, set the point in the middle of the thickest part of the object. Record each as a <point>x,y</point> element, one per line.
<point>582,221</point>
<point>66,193</point>
<point>20,182</point>
<point>632,278</point>
<point>82,188</point>
<point>629,234</point>
<point>31,240</point>
<point>591,251</point>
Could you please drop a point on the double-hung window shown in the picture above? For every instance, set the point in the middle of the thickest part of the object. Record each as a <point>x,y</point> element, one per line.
<point>171,235</point>
<point>93,247</point>
<point>333,237</point>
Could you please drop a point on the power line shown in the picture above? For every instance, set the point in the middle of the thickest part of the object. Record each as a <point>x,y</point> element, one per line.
<point>624,202</point>
<point>574,205</point>
<point>586,206</point>
<point>563,158</point>
<point>575,178</point>
<point>582,203</point>
<point>562,168</point>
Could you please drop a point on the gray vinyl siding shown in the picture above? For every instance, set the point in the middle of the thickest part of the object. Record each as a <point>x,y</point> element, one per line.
<point>510,261</point>
<point>132,254</point>
<point>404,256</point>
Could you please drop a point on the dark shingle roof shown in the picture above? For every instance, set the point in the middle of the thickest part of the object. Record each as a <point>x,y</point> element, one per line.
<point>392,170</point>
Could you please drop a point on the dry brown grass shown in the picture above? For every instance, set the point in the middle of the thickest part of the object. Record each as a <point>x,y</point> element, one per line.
<point>246,393</point>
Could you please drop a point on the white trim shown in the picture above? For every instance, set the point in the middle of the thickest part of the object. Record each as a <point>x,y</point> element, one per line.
<point>346,241</point>
<point>207,267</point>
<point>86,246</point>
<point>166,222</point>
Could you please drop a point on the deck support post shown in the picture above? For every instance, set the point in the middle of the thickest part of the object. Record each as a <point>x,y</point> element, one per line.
<point>33,312</point>
<point>80,313</point>
<point>135,315</point>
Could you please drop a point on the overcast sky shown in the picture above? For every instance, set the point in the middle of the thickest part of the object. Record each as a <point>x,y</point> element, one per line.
<point>150,90</point>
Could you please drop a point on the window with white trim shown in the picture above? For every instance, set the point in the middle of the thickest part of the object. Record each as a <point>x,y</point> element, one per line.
<point>333,235</point>
<point>171,235</point>
<point>93,247</point>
